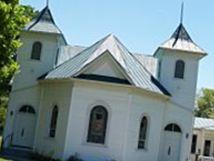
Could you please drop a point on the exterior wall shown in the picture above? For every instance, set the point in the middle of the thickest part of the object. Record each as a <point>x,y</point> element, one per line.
<point>182,90</point>
<point>203,135</point>
<point>18,98</point>
<point>30,69</point>
<point>184,119</point>
<point>106,66</point>
<point>126,107</point>
<point>53,94</point>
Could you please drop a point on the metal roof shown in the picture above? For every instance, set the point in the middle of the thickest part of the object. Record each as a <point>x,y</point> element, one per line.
<point>67,52</point>
<point>204,123</point>
<point>181,40</point>
<point>148,61</point>
<point>133,68</point>
<point>44,22</point>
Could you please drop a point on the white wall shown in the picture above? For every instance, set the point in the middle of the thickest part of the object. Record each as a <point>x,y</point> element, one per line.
<point>184,119</point>
<point>53,94</point>
<point>182,90</point>
<point>30,69</point>
<point>18,98</point>
<point>126,108</point>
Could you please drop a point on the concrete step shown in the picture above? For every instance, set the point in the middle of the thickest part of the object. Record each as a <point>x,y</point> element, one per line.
<point>17,153</point>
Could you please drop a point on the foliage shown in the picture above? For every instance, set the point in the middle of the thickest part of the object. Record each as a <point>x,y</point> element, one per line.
<point>74,158</point>
<point>40,157</point>
<point>205,104</point>
<point>13,17</point>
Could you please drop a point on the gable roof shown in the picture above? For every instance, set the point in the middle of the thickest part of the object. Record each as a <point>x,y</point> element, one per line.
<point>44,22</point>
<point>181,40</point>
<point>137,73</point>
<point>204,123</point>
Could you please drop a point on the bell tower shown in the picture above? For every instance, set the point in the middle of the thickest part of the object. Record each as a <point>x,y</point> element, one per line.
<point>179,60</point>
<point>41,42</point>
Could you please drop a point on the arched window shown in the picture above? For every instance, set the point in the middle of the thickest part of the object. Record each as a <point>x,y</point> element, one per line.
<point>36,51</point>
<point>179,69</point>
<point>143,133</point>
<point>53,123</point>
<point>97,125</point>
<point>27,109</point>
<point>173,128</point>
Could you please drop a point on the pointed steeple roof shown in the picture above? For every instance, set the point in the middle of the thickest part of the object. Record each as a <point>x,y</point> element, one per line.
<point>134,71</point>
<point>44,22</point>
<point>181,40</point>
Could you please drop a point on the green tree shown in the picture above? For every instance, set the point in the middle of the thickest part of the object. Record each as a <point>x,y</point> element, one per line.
<point>13,17</point>
<point>205,104</point>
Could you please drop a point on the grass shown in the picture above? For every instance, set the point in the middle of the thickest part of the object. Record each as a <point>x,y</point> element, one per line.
<point>1,159</point>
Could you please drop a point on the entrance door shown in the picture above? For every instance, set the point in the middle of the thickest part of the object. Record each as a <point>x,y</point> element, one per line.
<point>24,127</point>
<point>172,143</point>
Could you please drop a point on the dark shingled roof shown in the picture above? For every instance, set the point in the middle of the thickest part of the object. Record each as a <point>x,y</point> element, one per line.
<point>44,22</point>
<point>181,40</point>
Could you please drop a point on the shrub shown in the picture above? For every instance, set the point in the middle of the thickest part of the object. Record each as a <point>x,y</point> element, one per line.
<point>74,158</point>
<point>40,157</point>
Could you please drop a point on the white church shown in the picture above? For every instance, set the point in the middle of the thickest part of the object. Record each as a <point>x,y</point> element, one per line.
<point>102,102</point>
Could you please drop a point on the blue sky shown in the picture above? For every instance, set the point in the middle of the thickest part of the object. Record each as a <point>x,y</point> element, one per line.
<point>142,25</point>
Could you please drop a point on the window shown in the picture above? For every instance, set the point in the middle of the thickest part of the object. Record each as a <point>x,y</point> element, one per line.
<point>179,69</point>
<point>173,128</point>
<point>159,68</point>
<point>27,109</point>
<point>194,143</point>
<point>143,133</point>
<point>53,123</point>
<point>36,51</point>
<point>207,147</point>
<point>97,125</point>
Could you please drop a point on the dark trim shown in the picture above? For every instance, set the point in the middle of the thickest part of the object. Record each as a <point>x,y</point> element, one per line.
<point>160,86</point>
<point>103,78</point>
<point>20,146</point>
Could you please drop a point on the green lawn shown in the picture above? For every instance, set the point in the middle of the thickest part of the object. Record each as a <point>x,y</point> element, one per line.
<point>3,159</point>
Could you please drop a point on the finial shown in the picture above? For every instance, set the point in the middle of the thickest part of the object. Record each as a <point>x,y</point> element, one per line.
<point>182,12</point>
<point>47,3</point>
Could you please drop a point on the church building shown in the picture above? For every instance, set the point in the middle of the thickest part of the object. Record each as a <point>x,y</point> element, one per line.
<point>102,102</point>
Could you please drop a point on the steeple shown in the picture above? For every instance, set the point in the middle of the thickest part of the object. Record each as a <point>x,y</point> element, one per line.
<point>181,40</point>
<point>47,3</point>
<point>44,22</point>
<point>182,13</point>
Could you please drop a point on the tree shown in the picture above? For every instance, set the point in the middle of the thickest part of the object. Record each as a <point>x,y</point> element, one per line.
<point>13,17</point>
<point>205,104</point>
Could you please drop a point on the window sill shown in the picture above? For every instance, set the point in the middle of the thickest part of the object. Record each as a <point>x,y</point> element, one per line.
<point>50,138</point>
<point>142,150</point>
<point>95,145</point>
<point>35,60</point>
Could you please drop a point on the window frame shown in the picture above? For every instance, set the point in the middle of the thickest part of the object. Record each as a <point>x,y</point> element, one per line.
<point>104,140</point>
<point>53,120</point>
<point>194,143</point>
<point>145,140</point>
<point>36,53</point>
<point>173,127</point>
<point>27,109</point>
<point>179,71</point>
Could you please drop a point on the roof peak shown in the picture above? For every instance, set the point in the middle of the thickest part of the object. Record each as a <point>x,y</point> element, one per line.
<point>181,33</point>
<point>44,22</point>
<point>181,40</point>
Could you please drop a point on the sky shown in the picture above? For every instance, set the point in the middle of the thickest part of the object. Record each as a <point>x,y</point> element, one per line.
<point>142,25</point>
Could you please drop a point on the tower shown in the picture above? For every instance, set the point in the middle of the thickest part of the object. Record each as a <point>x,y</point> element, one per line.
<point>41,41</point>
<point>178,66</point>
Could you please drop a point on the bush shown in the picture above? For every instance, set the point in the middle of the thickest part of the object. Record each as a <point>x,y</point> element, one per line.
<point>74,158</point>
<point>40,157</point>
